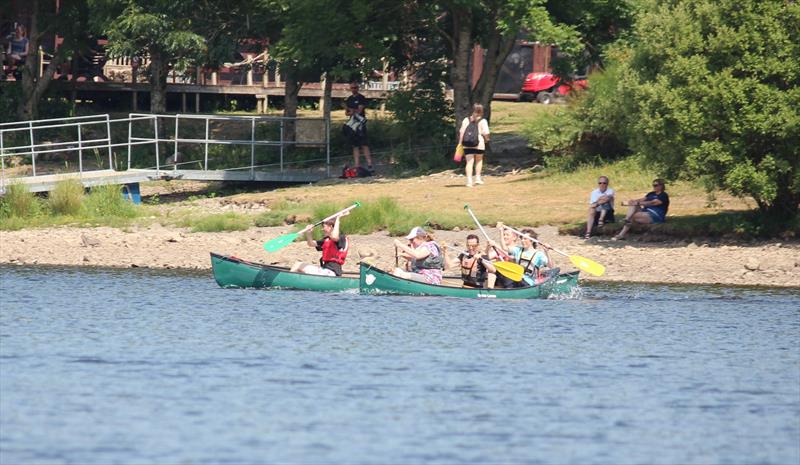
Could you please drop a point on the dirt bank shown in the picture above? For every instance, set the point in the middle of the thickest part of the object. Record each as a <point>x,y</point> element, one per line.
<point>764,264</point>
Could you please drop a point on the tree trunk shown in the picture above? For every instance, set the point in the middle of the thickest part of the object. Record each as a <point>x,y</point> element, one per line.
<point>159,68</point>
<point>498,47</point>
<point>327,91</point>
<point>291,90</point>
<point>459,69</point>
<point>33,85</point>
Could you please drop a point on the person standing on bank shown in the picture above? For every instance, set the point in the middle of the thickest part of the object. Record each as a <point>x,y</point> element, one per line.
<point>355,105</point>
<point>474,135</point>
<point>601,204</point>
<point>652,208</point>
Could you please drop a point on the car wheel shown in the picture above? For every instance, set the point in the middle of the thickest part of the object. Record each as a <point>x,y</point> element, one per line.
<point>545,98</point>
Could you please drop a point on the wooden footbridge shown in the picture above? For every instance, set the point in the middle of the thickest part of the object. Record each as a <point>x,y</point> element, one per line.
<point>99,150</point>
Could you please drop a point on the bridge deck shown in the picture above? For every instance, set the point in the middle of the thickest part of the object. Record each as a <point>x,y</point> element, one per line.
<point>45,183</point>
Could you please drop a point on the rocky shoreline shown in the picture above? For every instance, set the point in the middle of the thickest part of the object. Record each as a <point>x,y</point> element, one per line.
<point>159,247</point>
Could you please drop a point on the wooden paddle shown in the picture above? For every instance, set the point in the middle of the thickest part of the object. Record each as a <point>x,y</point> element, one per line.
<point>282,241</point>
<point>582,263</point>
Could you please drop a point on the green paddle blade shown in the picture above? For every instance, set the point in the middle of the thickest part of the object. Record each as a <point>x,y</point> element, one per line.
<point>280,242</point>
<point>510,270</point>
<point>587,265</point>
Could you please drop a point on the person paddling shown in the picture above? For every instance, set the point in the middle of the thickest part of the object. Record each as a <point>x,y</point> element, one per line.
<point>525,255</point>
<point>424,256</point>
<point>334,247</point>
<point>477,271</point>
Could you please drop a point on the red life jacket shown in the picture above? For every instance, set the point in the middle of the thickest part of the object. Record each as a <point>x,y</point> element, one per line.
<point>332,253</point>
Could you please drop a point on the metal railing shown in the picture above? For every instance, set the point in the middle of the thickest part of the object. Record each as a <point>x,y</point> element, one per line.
<point>281,143</point>
<point>23,139</point>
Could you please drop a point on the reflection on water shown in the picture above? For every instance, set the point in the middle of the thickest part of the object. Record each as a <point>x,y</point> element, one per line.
<point>121,366</point>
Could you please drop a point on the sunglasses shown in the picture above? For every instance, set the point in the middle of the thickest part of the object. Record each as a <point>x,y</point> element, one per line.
<point>602,182</point>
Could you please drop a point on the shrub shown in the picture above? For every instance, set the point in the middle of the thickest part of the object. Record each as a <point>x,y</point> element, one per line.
<point>66,198</point>
<point>108,201</point>
<point>18,202</point>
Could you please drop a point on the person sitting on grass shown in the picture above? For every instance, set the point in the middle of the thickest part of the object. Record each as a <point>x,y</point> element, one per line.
<point>601,205</point>
<point>425,258</point>
<point>652,208</point>
<point>475,272</point>
<point>334,247</point>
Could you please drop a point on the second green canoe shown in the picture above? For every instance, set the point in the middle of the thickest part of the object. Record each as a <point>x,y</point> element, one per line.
<point>376,281</point>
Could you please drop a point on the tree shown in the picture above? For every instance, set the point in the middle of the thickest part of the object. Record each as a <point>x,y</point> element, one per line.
<point>165,31</point>
<point>69,21</point>
<point>348,40</point>
<point>496,25</point>
<point>711,91</point>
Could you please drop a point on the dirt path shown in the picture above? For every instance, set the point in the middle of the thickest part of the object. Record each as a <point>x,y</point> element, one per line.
<point>772,264</point>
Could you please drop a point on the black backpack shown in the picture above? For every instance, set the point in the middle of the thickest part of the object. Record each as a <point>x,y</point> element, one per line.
<point>470,138</point>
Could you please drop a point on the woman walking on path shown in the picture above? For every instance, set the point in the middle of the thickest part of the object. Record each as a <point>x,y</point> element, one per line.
<point>474,135</point>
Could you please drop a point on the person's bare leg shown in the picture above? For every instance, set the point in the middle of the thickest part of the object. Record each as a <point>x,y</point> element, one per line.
<point>478,169</point>
<point>590,221</point>
<point>470,162</point>
<point>491,279</point>
<point>638,217</point>
<point>298,267</point>
<point>355,157</point>
<point>367,155</point>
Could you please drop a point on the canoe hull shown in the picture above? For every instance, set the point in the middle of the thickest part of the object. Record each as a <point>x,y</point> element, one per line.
<point>232,272</point>
<point>375,281</point>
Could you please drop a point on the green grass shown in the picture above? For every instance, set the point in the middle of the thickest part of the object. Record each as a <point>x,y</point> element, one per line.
<point>66,198</point>
<point>107,201</point>
<point>66,205</point>
<point>18,202</point>
<point>382,214</point>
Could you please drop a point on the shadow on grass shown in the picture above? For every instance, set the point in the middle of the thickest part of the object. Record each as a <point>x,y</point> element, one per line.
<point>726,226</point>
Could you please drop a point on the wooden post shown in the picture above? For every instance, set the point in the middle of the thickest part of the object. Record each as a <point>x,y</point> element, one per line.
<point>214,78</point>
<point>197,102</point>
<point>134,100</point>
<point>278,75</point>
<point>183,102</point>
<point>250,76</point>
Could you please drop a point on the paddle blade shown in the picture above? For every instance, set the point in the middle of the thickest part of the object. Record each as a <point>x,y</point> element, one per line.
<point>280,242</point>
<point>510,270</point>
<point>587,265</point>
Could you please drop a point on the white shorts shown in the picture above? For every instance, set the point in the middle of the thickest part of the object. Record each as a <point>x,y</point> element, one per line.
<point>318,270</point>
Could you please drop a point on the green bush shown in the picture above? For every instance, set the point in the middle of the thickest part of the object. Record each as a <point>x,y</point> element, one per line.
<point>108,201</point>
<point>66,198</point>
<point>18,202</point>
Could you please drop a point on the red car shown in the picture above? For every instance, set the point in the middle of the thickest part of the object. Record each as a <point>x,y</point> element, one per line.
<point>545,87</point>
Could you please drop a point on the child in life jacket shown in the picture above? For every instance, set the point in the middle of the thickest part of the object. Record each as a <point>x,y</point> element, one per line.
<point>334,247</point>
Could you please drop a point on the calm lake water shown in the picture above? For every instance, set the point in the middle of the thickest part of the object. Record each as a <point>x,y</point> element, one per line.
<point>140,367</point>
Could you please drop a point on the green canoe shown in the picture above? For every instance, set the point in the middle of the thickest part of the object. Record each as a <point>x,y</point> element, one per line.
<point>235,272</point>
<point>375,281</point>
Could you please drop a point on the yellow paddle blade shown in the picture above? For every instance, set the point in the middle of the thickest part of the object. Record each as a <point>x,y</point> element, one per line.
<point>587,265</point>
<point>510,270</point>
